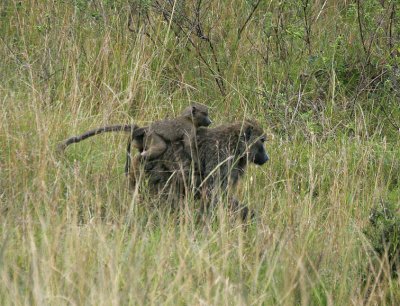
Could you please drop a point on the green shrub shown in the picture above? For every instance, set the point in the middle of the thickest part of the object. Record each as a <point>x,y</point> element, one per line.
<point>383,232</point>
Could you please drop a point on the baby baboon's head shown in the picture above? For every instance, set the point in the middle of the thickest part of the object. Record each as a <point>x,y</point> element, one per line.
<point>255,138</point>
<point>198,114</point>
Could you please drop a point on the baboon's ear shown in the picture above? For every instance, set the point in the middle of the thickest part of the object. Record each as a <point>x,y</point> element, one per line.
<point>194,110</point>
<point>248,131</point>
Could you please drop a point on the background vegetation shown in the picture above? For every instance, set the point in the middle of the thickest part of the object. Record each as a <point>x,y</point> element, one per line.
<point>322,77</point>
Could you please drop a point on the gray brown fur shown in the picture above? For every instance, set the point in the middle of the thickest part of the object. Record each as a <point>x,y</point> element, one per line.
<point>224,152</point>
<point>220,158</point>
<point>184,127</point>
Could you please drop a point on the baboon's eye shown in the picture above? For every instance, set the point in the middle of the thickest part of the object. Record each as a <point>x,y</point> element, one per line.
<point>262,139</point>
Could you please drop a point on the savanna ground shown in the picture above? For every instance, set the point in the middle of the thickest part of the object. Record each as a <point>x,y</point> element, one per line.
<point>322,77</point>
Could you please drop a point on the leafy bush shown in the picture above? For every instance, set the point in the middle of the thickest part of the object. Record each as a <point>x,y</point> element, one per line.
<point>383,232</point>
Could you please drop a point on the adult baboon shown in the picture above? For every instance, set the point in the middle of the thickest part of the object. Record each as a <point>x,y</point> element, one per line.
<point>224,152</point>
<point>219,157</point>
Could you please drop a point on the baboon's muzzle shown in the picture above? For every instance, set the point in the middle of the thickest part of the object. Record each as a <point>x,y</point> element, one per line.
<point>261,160</point>
<point>261,157</point>
<point>207,121</point>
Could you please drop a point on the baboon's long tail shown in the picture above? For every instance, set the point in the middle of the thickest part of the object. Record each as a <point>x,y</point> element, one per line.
<point>111,128</point>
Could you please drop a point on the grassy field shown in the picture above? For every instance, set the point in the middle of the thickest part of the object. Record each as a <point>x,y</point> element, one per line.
<point>322,79</point>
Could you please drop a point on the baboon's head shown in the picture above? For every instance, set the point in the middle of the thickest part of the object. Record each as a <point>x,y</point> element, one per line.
<point>198,114</point>
<point>254,138</point>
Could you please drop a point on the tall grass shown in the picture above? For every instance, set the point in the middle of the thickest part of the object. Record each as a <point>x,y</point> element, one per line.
<point>72,232</point>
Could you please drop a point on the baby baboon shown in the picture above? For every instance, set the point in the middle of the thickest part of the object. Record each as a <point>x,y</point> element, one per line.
<point>111,128</point>
<point>156,135</point>
<point>181,128</point>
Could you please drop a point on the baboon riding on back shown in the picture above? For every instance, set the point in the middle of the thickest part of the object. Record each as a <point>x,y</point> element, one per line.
<point>217,159</point>
<point>151,141</point>
<point>181,156</point>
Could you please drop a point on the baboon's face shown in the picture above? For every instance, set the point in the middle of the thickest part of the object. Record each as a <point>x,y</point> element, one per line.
<point>256,146</point>
<point>200,116</point>
<point>260,156</point>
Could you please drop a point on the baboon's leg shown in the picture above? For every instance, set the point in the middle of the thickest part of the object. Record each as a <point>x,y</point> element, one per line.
<point>136,140</point>
<point>134,171</point>
<point>243,210</point>
<point>157,146</point>
<point>209,202</point>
